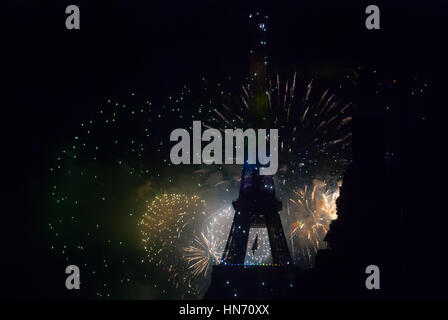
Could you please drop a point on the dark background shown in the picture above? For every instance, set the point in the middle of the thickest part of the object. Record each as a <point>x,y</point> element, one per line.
<point>53,78</point>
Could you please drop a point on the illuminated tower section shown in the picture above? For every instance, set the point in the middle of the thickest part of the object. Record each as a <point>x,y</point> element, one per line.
<point>258,70</point>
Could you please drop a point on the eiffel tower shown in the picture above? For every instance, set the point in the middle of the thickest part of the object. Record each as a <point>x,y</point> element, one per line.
<point>256,206</point>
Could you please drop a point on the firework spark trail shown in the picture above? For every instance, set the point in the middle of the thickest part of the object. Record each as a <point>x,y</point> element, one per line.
<point>202,256</point>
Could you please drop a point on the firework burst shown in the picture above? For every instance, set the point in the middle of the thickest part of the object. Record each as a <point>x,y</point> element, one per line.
<point>209,244</point>
<point>165,226</point>
<point>314,135</point>
<point>311,211</point>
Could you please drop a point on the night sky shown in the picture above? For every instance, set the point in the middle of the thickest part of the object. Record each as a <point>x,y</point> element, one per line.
<point>162,60</point>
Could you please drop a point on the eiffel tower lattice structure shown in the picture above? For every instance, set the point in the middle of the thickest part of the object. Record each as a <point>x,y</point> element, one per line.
<point>256,207</point>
